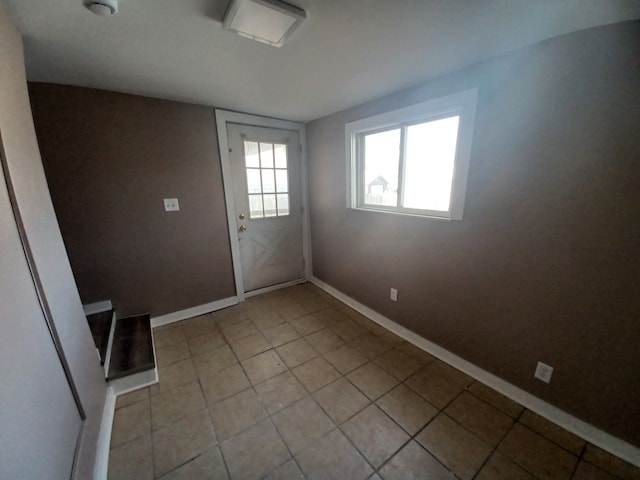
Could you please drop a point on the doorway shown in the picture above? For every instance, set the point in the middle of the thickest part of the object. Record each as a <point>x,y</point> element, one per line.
<point>264,179</point>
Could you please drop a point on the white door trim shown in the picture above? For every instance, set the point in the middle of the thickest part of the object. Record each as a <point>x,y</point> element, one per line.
<point>223,118</point>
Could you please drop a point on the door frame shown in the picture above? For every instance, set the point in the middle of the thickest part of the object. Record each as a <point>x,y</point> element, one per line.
<point>223,118</point>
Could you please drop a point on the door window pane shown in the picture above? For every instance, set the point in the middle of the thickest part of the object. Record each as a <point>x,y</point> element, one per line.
<point>266,155</point>
<point>280,151</point>
<point>381,159</point>
<point>253,180</point>
<point>268,181</point>
<point>282,182</point>
<point>251,157</point>
<point>264,181</point>
<point>270,205</point>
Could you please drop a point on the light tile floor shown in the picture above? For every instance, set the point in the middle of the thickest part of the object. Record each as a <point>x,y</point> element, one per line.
<point>294,384</point>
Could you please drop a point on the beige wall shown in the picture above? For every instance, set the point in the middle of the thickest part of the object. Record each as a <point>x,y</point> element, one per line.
<point>110,159</point>
<point>546,263</point>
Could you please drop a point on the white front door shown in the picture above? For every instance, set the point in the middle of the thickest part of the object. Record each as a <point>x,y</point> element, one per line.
<point>267,192</point>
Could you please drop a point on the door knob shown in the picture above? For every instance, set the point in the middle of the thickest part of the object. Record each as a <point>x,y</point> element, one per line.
<point>243,228</point>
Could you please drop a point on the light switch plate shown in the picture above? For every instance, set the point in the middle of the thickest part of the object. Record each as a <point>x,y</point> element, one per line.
<point>171,205</point>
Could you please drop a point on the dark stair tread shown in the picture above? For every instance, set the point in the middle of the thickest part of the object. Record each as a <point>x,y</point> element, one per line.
<point>132,347</point>
<point>100,325</point>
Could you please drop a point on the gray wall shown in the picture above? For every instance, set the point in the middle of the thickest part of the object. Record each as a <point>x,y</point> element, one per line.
<point>546,263</point>
<point>110,159</point>
<point>50,265</point>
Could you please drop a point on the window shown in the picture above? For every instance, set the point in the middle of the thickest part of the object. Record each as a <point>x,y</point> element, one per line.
<point>267,179</point>
<point>415,160</point>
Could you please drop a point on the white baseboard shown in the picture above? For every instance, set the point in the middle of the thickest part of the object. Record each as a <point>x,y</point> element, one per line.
<point>273,288</point>
<point>101,466</point>
<point>193,311</point>
<point>97,307</point>
<point>584,430</point>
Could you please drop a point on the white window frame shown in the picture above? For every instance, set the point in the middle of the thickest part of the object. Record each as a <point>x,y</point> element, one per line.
<point>462,104</point>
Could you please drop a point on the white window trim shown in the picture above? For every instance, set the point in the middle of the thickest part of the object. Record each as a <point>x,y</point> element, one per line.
<point>462,104</point>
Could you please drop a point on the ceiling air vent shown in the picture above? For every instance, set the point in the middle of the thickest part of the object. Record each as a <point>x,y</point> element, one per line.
<point>267,21</point>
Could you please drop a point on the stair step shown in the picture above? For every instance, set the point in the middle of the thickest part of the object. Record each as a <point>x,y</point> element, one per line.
<point>100,325</point>
<point>132,347</point>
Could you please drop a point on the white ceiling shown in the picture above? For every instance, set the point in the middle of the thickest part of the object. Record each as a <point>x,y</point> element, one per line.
<point>345,52</point>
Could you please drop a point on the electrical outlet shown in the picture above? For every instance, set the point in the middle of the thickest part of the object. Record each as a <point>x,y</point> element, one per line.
<point>171,205</point>
<point>394,295</point>
<point>543,372</point>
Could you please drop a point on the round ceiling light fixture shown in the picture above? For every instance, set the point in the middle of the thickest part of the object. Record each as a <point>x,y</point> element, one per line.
<point>104,8</point>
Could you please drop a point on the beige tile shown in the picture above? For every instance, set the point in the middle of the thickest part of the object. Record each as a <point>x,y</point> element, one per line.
<point>288,471</point>
<point>331,316</point>
<point>414,463</point>
<point>315,374</point>
<point>236,413</point>
<point>341,400</point>
<point>131,422</point>
<point>172,353</point>
<point>610,463</point>
<point>169,406</point>
<point>499,467</point>
<point>202,324</point>
<point>207,465</point>
<point>345,358</point>
<point>280,391</point>
<point>348,330</point>
<point>436,389</point>
<point>292,310</point>
<point>281,334</point>
<point>296,352</point>
<point>168,334</point>
<point>255,452</point>
<point>460,450</point>
<point>174,375</point>
<point>132,397</point>
<point>487,422</point>
<point>407,408</point>
<point>502,403</point>
<point>263,366</point>
<point>307,324</point>
<point>374,434</point>
<point>399,364</point>
<point>180,441</point>
<point>372,380</point>
<point>211,362</point>
<point>552,432</point>
<point>372,346</point>
<point>132,460</point>
<point>266,318</point>
<point>250,345</point>
<point>333,457</point>
<point>302,423</point>
<point>230,315</point>
<point>235,331</point>
<point>536,454</point>
<point>324,340</point>
<point>314,304</point>
<point>205,343</point>
<point>440,368</point>
<point>415,352</point>
<point>586,471</point>
<point>224,383</point>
